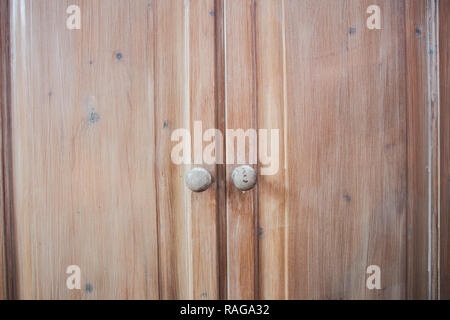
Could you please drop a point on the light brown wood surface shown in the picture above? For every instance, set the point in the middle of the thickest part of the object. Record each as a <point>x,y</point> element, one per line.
<point>221,168</point>
<point>171,97</point>
<point>82,126</point>
<point>433,167</point>
<point>240,106</point>
<point>202,91</point>
<point>88,179</point>
<point>347,123</point>
<point>4,94</point>
<point>86,158</point>
<point>444,60</point>
<point>270,72</point>
<point>417,144</point>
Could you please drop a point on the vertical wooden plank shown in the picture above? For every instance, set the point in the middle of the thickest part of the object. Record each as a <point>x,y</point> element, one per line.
<point>444,46</point>
<point>417,96</point>
<point>270,101</point>
<point>172,112</point>
<point>83,152</point>
<point>433,118</point>
<point>185,95</point>
<point>4,107</point>
<point>202,90</point>
<point>346,149</point>
<point>240,114</point>
<point>221,167</point>
<point>444,59</point>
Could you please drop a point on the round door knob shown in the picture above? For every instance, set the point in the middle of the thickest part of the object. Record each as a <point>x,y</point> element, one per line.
<point>244,178</point>
<point>198,179</point>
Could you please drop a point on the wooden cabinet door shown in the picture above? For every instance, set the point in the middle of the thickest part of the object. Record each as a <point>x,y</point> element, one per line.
<point>89,118</point>
<point>353,106</point>
<point>91,113</point>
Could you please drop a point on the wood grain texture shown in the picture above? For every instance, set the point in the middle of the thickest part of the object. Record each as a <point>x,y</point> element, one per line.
<point>185,93</point>
<point>172,110</point>
<point>219,14</point>
<point>417,97</point>
<point>202,90</point>
<point>87,117</point>
<point>83,153</point>
<point>346,145</point>
<point>433,118</point>
<point>4,101</point>
<point>240,104</point>
<point>272,188</point>
<point>90,109</point>
<point>444,48</point>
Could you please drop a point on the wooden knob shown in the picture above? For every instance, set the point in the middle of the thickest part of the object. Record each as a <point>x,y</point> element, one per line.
<point>244,178</point>
<point>198,179</point>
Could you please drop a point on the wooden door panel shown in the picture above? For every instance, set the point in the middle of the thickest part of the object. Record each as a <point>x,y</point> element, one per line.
<point>185,93</point>
<point>240,109</point>
<point>347,189</point>
<point>82,119</point>
<point>92,112</point>
<point>343,99</point>
<point>203,105</point>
